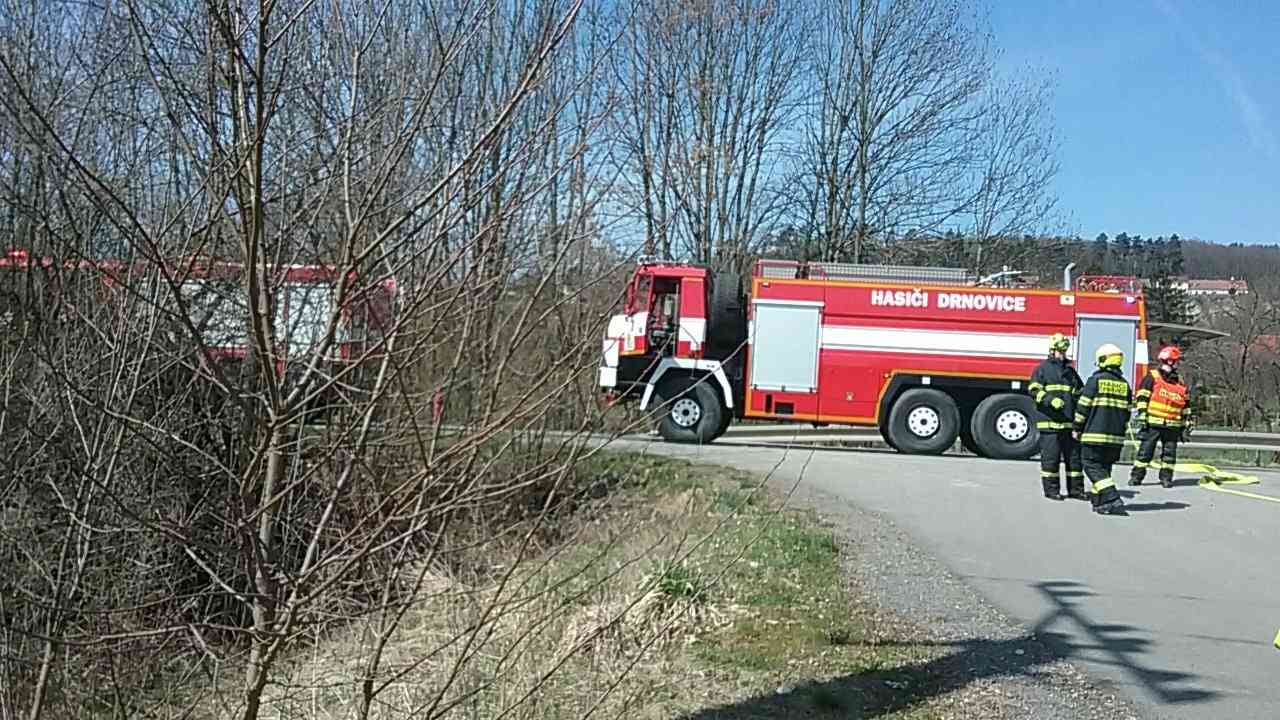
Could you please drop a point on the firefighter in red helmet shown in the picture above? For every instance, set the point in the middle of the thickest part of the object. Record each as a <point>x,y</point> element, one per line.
<point>1163,417</point>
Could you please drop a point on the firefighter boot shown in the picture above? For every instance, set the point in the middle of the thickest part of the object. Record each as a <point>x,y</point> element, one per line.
<point>1075,485</point>
<point>1075,473</point>
<point>1146,453</point>
<point>1050,482</point>
<point>1168,455</point>
<point>1138,473</point>
<point>1106,499</point>
<point>1114,506</point>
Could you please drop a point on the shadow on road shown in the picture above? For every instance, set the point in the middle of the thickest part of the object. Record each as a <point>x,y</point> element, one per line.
<point>1131,506</point>
<point>864,448</point>
<point>878,693</point>
<point>1166,505</point>
<point>881,692</point>
<point>1119,646</point>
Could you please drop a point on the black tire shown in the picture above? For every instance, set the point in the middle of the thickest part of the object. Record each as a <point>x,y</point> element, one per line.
<point>726,419</point>
<point>726,316</point>
<point>884,433</point>
<point>1004,427</point>
<point>924,421</point>
<point>689,410</point>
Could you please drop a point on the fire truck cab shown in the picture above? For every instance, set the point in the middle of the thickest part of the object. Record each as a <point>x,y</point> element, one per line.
<point>927,355</point>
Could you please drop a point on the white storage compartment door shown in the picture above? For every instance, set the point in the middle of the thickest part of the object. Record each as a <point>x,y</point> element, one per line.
<point>1095,330</point>
<point>785,336</point>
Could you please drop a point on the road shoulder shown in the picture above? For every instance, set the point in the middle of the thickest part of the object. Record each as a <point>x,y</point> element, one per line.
<point>982,664</point>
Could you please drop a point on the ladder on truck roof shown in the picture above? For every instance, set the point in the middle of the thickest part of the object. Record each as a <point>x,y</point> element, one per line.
<point>1114,284</point>
<point>792,269</point>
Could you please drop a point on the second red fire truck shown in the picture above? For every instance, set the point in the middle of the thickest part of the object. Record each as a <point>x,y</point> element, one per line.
<point>303,299</point>
<point>927,355</point>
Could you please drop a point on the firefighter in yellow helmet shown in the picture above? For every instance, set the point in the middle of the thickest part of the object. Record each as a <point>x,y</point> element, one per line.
<point>1055,386</point>
<point>1100,421</point>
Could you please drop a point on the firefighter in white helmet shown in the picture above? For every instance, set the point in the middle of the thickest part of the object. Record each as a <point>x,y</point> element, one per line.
<point>1055,386</point>
<point>1100,424</point>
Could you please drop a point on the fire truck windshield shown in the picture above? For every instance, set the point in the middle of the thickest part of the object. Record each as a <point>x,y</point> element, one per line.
<point>638,293</point>
<point>663,318</point>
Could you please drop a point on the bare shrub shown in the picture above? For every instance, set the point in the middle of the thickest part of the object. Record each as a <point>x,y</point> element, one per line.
<point>262,240</point>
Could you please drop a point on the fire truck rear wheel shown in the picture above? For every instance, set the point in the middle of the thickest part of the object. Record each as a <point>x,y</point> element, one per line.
<point>727,321</point>
<point>689,411</point>
<point>726,419</point>
<point>1004,427</point>
<point>924,421</point>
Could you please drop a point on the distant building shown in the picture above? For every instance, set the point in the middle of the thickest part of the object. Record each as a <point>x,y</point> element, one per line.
<point>1217,287</point>
<point>1267,342</point>
<point>1197,288</point>
<point>1203,294</point>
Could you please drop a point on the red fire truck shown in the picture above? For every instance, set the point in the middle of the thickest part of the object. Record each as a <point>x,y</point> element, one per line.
<point>304,298</point>
<point>927,355</point>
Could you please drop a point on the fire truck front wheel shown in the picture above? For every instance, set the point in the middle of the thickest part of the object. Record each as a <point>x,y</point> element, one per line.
<point>689,411</point>
<point>1004,427</point>
<point>924,421</point>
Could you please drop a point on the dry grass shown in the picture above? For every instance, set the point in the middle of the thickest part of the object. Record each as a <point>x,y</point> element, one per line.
<point>685,590</point>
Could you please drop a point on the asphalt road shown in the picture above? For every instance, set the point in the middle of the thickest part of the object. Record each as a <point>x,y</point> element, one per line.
<point>1177,604</point>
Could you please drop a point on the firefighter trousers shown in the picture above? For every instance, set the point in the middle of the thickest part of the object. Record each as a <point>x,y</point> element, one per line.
<point>1098,460</point>
<point>1147,439</point>
<point>1058,447</point>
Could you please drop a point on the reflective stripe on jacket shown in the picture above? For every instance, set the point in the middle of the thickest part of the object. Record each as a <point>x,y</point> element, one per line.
<point>1054,378</point>
<point>1102,413</point>
<point>1162,402</point>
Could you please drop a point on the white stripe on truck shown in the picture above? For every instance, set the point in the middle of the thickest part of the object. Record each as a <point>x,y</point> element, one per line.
<point>934,342</point>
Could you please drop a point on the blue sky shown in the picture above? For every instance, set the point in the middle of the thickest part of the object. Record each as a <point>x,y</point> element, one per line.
<point>1168,111</point>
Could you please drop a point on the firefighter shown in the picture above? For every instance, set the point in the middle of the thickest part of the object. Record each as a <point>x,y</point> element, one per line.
<point>1163,417</point>
<point>1055,386</point>
<point>1099,423</point>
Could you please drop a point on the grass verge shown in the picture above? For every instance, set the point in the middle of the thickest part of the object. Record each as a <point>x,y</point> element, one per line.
<point>687,592</point>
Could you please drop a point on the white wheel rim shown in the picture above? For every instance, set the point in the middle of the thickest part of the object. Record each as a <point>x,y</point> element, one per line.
<point>923,422</point>
<point>685,412</point>
<point>1012,425</point>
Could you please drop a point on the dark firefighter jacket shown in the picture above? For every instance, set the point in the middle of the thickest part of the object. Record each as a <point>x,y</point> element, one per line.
<point>1055,378</point>
<point>1166,412</point>
<point>1102,412</point>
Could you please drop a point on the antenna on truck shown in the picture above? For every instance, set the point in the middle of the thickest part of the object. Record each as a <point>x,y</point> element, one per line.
<point>1002,277</point>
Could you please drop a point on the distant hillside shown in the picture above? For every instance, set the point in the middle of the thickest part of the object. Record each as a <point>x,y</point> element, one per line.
<point>1045,256</point>
<point>1158,257</point>
<point>1209,260</point>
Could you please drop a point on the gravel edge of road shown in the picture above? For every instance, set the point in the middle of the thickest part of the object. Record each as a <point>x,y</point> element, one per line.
<point>1020,674</point>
